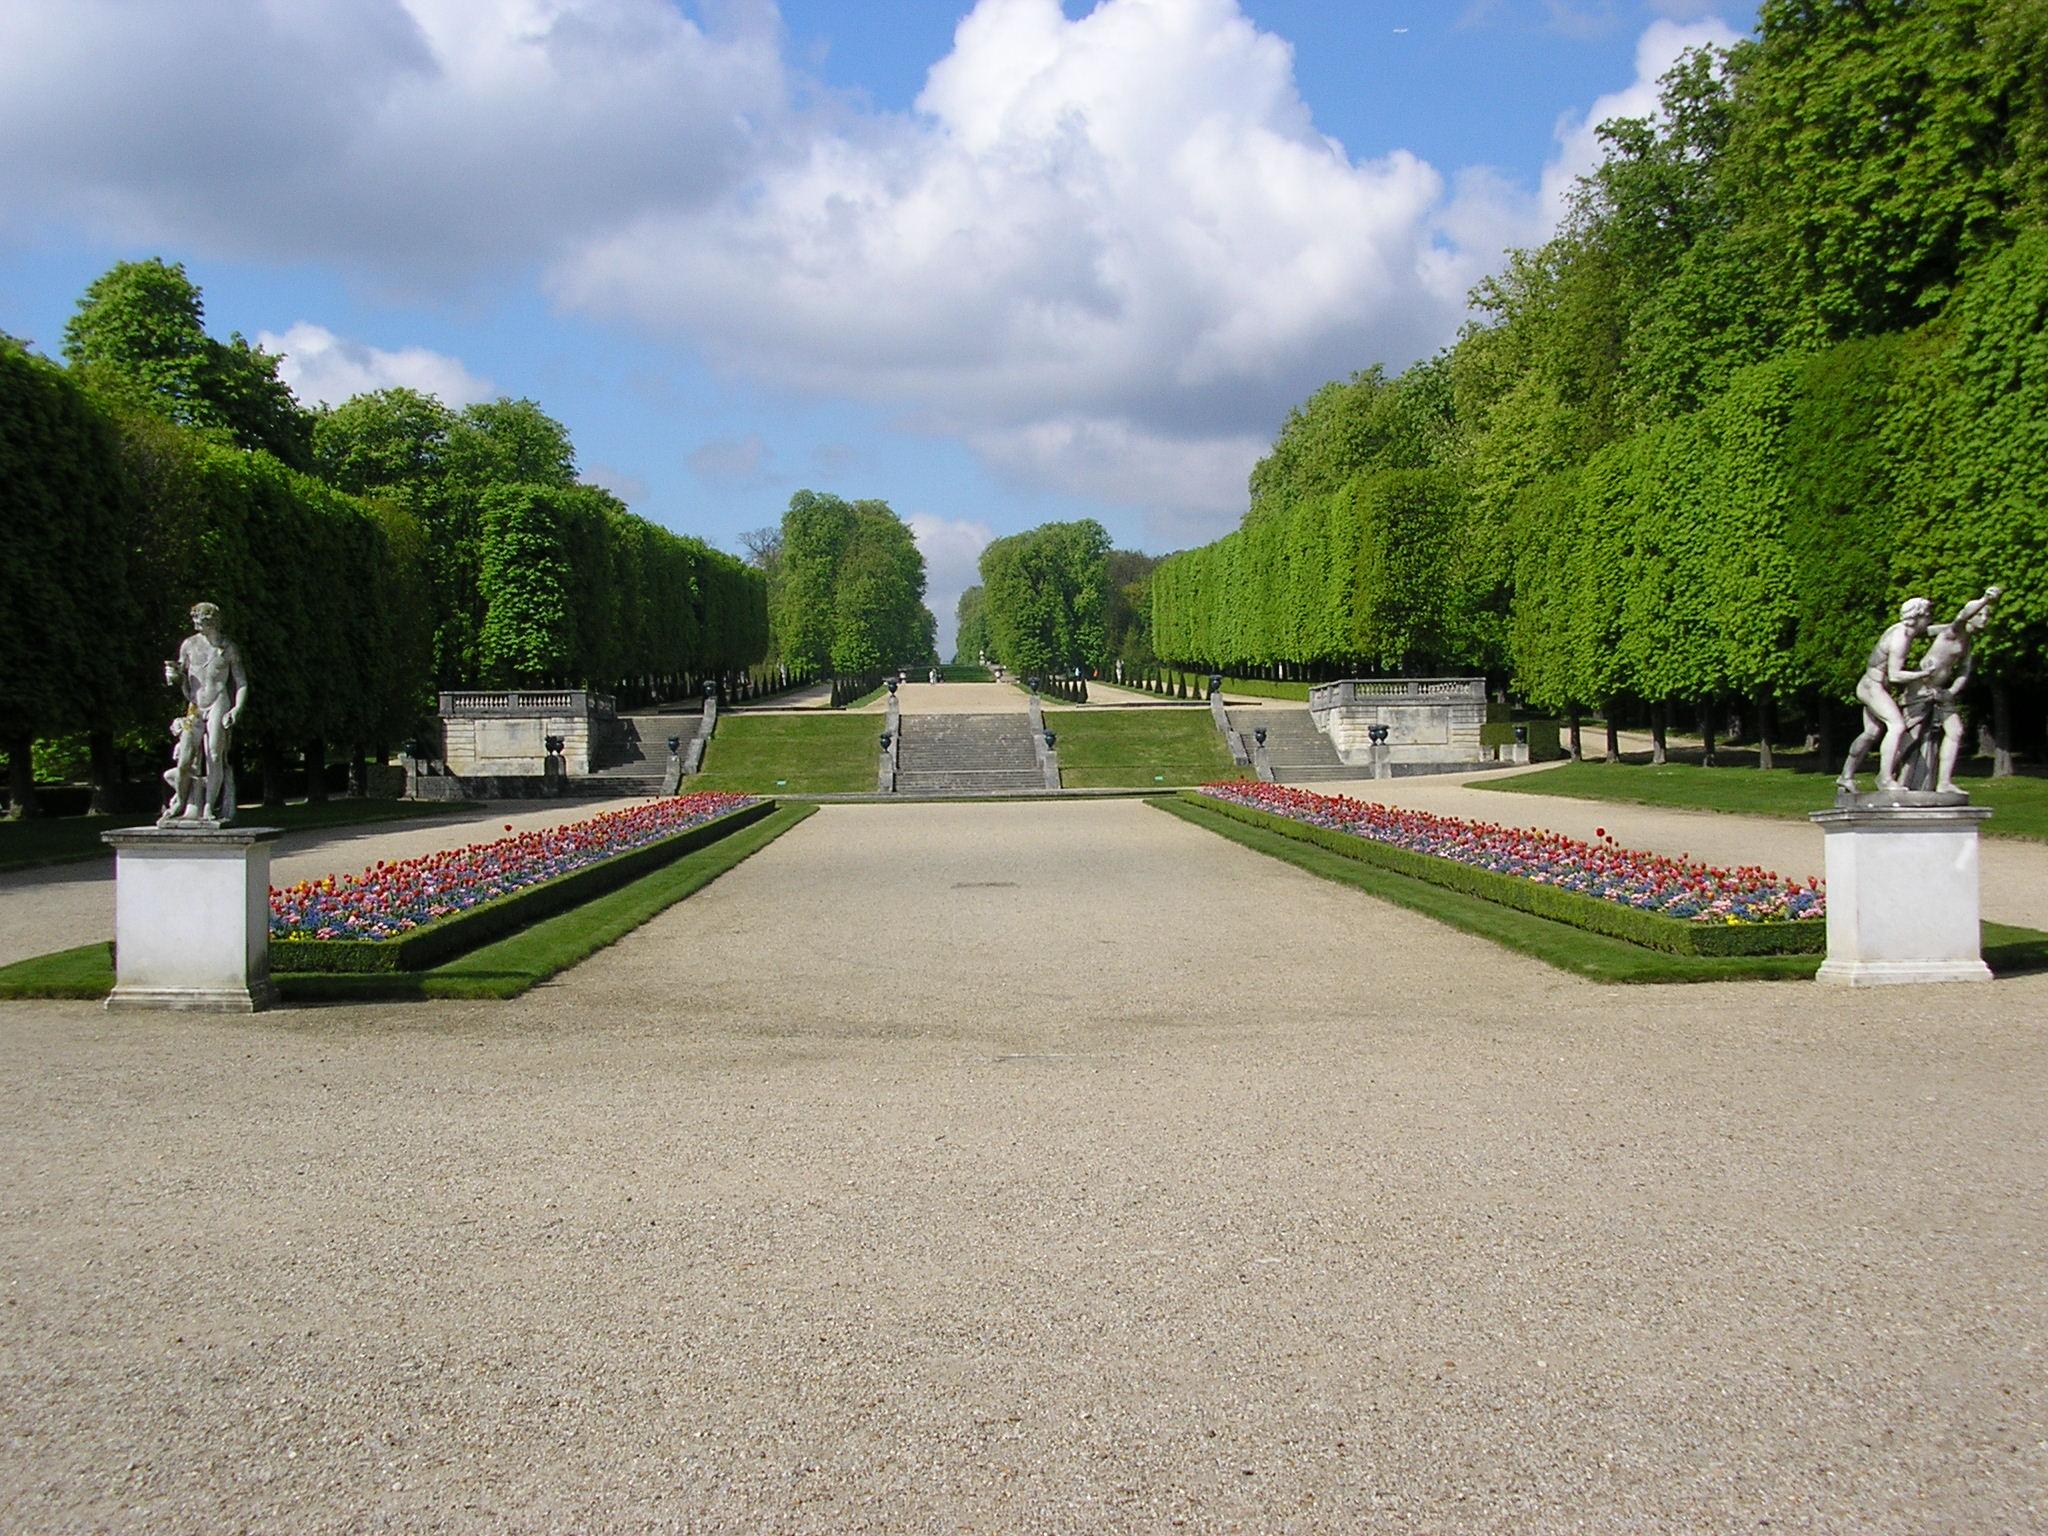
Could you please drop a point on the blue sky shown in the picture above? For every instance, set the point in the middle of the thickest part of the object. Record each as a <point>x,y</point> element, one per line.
<point>994,263</point>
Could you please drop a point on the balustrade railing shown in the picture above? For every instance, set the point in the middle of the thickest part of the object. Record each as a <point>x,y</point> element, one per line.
<point>1381,690</point>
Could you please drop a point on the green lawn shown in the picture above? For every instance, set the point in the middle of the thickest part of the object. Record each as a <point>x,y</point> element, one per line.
<point>67,839</point>
<point>503,969</point>
<point>1592,955</point>
<point>825,753</point>
<point>2019,806</point>
<point>1135,748</point>
<point>959,672</point>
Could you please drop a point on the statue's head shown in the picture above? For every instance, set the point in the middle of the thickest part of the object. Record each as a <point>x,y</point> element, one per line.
<point>1914,610</point>
<point>205,616</point>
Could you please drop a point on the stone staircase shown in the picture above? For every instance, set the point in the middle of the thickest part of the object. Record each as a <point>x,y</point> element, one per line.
<point>967,755</point>
<point>1299,753</point>
<point>635,759</point>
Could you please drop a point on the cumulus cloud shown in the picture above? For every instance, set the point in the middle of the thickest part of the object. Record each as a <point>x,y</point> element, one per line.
<point>1121,228</point>
<point>1106,252</point>
<point>326,369</point>
<point>410,137</point>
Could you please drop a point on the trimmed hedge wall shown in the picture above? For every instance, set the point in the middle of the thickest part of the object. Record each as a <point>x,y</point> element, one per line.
<point>435,942</point>
<point>1669,934</point>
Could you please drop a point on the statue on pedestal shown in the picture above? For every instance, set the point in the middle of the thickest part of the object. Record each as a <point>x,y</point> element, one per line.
<point>1909,724</point>
<point>209,671</point>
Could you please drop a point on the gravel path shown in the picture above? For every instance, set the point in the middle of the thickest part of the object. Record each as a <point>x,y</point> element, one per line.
<point>1032,1168</point>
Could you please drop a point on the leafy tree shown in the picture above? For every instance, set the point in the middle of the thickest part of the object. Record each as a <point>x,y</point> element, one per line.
<point>139,333</point>
<point>508,442</point>
<point>1045,596</point>
<point>970,627</point>
<point>390,439</point>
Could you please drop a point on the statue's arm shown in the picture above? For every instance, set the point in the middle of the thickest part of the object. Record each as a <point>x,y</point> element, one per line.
<point>1977,605</point>
<point>1895,668</point>
<point>241,681</point>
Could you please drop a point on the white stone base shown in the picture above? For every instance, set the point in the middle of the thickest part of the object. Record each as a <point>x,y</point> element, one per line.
<point>192,918</point>
<point>1902,895</point>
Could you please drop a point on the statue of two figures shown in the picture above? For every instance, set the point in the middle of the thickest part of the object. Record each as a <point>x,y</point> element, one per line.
<point>1918,733</point>
<point>209,672</point>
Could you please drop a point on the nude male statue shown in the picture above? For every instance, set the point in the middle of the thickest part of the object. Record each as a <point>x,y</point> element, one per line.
<point>1944,672</point>
<point>209,670</point>
<point>1886,669</point>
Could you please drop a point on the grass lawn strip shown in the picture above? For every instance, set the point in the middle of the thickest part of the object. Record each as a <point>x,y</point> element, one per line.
<point>824,753</point>
<point>73,839</point>
<point>2019,805</point>
<point>1596,956</point>
<point>497,970</point>
<point>1134,748</point>
<point>1652,930</point>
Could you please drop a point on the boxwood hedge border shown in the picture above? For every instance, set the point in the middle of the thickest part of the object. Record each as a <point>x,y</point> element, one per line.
<point>433,943</point>
<point>1676,936</point>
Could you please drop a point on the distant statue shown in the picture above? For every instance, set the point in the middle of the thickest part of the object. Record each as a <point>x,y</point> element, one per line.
<point>1930,701</point>
<point>1886,669</point>
<point>216,688</point>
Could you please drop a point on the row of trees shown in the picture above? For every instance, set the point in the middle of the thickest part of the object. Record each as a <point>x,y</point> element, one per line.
<point>1785,364</point>
<point>1067,600</point>
<point>360,556</point>
<point>846,585</point>
<point>1044,597</point>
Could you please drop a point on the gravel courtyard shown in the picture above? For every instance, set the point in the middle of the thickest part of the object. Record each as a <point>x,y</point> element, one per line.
<point>1031,1167</point>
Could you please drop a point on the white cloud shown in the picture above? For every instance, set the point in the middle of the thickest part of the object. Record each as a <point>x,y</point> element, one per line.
<point>1122,228</point>
<point>952,549</point>
<point>1108,253</point>
<point>409,137</point>
<point>327,369</point>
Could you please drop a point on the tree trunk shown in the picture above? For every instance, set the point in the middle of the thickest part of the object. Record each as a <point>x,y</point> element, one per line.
<point>99,748</point>
<point>316,770</point>
<point>1574,747</point>
<point>1660,725</point>
<point>21,775</point>
<point>2002,757</point>
<point>1764,722</point>
<point>270,764</point>
<point>1613,734</point>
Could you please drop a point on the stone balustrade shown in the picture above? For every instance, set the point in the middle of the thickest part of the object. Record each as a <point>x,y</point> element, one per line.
<point>1428,719</point>
<point>505,733</point>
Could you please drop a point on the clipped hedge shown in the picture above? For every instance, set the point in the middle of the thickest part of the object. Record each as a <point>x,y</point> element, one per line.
<point>1671,935</point>
<point>435,942</point>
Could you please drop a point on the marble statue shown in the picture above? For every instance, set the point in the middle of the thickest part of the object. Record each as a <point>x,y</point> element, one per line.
<point>1905,728</point>
<point>216,687</point>
<point>1885,670</point>
<point>1933,721</point>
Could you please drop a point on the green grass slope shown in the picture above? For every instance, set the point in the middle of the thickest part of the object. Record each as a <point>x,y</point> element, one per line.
<point>1137,748</point>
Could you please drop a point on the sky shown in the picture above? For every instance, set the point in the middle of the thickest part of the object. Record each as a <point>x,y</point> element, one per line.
<point>994,263</point>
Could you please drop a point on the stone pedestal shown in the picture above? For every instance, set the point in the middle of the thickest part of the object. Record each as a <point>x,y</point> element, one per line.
<point>1902,894</point>
<point>192,917</point>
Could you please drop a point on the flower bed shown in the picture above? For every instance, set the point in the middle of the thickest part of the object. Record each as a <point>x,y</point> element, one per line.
<point>1652,899</point>
<point>412,913</point>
